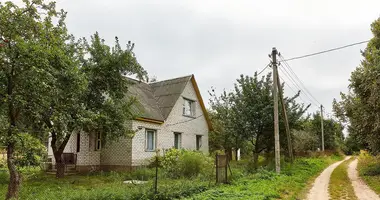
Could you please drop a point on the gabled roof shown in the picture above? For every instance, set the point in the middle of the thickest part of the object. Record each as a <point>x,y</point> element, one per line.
<point>167,93</point>
<point>156,100</point>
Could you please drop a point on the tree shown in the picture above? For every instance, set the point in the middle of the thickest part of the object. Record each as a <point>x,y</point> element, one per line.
<point>248,112</point>
<point>360,107</point>
<point>223,135</point>
<point>92,97</point>
<point>31,46</point>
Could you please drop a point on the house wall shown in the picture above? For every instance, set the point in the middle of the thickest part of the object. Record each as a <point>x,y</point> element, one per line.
<point>116,154</point>
<point>176,122</point>
<point>87,157</point>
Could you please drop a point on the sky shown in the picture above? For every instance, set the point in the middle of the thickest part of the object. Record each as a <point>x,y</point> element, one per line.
<point>219,40</point>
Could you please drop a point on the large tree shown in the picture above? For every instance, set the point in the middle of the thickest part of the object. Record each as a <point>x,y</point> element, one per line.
<point>360,108</point>
<point>250,113</point>
<point>91,96</point>
<point>33,41</point>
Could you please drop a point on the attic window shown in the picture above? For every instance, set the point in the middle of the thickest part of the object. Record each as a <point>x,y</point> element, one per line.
<point>188,108</point>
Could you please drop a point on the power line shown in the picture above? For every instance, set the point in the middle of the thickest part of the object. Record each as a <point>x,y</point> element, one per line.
<point>263,69</point>
<point>326,51</point>
<point>185,121</point>
<point>289,76</point>
<point>292,89</point>
<point>299,80</point>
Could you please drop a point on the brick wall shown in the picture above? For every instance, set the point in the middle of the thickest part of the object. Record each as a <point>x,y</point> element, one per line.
<point>165,132</point>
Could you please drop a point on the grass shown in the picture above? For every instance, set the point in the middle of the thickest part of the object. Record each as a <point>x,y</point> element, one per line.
<point>369,170</point>
<point>37,185</point>
<point>269,185</point>
<point>340,186</point>
<point>264,184</point>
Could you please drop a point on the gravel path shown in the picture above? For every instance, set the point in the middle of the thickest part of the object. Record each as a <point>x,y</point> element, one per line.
<point>320,189</point>
<point>362,191</point>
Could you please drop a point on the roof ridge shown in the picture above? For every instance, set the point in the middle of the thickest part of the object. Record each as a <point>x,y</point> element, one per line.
<point>171,79</point>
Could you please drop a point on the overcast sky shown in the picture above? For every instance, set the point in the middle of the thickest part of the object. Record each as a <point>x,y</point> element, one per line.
<point>219,40</point>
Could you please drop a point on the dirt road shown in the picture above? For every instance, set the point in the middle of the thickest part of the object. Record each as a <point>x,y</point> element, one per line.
<point>320,189</point>
<point>362,191</point>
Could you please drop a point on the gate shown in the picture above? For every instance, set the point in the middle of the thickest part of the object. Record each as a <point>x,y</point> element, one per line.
<point>221,163</point>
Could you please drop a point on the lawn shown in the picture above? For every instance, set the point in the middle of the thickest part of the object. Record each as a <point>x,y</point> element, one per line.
<point>268,185</point>
<point>340,186</point>
<point>37,185</point>
<point>265,184</point>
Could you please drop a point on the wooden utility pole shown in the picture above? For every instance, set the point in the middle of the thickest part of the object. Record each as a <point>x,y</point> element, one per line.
<point>284,113</point>
<point>322,133</point>
<point>275,101</point>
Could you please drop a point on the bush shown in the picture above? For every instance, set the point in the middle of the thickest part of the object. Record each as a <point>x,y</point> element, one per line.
<point>369,165</point>
<point>181,163</point>
<point>30,151</point>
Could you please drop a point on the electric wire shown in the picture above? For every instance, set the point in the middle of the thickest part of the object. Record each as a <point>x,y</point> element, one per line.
<point>286,67</point>
<point>326,51</point>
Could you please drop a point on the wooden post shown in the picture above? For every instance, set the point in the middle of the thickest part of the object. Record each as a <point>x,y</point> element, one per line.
<point>277,154</point>
<point>322,131</point>
<point>287,129</point>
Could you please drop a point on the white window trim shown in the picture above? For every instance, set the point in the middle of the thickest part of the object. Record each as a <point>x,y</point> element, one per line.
<point>179,140</point>
<point>154,140</point>
<point>192,107</point>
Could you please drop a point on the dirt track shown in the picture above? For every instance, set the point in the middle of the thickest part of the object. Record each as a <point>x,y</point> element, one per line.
<point>320,189</point>
<point>362,191</point>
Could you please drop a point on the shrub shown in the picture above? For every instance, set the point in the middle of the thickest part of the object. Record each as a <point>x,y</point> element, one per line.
<point>182,163</point>
<point>30,151</point>
<point>369,165</point>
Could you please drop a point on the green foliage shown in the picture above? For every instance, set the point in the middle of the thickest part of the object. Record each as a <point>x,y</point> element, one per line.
<point>359,107</point>
<point>340,184</point>
<point>246,115</point>
<point>269,185</point>
<point>101,186</point>
<point>189,164</point>
<point>30,151</point>
<point>369,165</point>
<point>304,141</point>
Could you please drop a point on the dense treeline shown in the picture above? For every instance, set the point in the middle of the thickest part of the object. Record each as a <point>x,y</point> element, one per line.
<point>360,107</point>
<point>243,119</point>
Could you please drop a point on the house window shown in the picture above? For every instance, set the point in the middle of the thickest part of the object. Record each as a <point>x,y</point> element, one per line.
<point>198,142</point>
<point>78,142</point>
<point>189,107</point>
<point>98,142</point>
<point>177,140</point>
<point>150,137</point>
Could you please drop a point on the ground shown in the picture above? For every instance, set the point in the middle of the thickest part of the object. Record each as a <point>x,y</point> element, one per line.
<point>264,184</point>
<point>341,181</point>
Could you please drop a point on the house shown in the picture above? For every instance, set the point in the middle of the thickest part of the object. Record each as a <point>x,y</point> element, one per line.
<point>171,115</point>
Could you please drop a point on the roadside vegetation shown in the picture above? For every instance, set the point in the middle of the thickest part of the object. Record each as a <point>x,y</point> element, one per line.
<point>369,170</point>
<point>245,183</point>
<point>340,186</point>
<point>266,184</point>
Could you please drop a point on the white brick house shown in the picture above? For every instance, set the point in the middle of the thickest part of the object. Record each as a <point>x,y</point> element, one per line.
<point>171,115</point>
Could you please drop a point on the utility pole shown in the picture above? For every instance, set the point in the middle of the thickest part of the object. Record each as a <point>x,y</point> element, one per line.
<point>322,136</point>
<point>285,115</point>
<point>275,101</point>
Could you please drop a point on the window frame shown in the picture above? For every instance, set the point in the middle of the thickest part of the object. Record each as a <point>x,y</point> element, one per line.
<point>98,140</point>
<point>154,140</point>
<point>192,107</point>
<point>78,142</point>
<point>198,142</point>
<point>179,140</point>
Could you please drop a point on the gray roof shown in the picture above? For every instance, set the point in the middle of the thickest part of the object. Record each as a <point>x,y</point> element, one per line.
<point>156,100</point>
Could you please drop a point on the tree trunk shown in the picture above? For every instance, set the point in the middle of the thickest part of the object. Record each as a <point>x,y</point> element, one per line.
<point>14,178</point>
<point>59,164</point>
<point>255,160</point>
